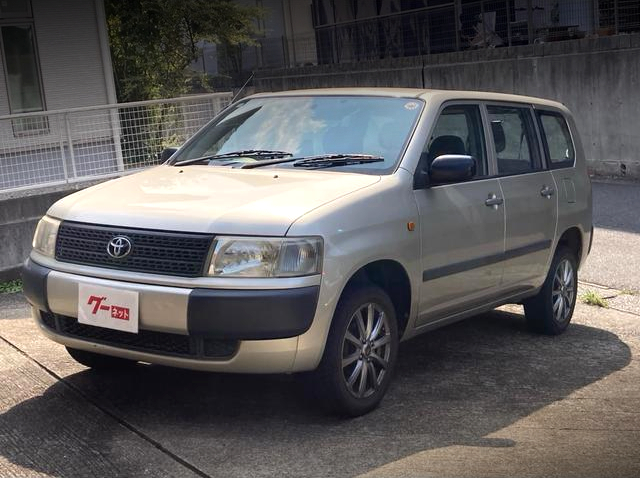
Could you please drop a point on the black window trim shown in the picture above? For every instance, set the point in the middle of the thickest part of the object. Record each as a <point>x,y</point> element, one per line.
<point>543,136</point>
<point>539,158</point>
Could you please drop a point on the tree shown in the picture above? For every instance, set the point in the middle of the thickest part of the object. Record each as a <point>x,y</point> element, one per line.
<point>154,41</point>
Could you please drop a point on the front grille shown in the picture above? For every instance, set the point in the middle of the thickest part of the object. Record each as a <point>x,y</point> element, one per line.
<point>162,343</point>
<point>156,252</point>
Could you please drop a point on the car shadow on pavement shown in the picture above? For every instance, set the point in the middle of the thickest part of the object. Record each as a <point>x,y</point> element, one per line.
<point>453,386</point>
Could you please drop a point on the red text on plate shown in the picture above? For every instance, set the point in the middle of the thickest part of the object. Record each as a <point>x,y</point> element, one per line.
<point>121,313</point>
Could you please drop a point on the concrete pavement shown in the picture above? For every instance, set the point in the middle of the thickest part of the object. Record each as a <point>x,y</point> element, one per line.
<point>481,398</point>
<point>615,257</point>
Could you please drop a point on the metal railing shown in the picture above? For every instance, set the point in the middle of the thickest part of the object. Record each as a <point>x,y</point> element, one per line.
<point>53,147</point>
<point>445,27</point>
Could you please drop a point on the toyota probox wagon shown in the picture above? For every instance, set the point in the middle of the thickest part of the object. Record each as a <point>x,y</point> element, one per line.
<point>312,231</point>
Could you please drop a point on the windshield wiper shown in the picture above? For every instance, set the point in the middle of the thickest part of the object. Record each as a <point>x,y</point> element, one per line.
<point>258,153</point>
<point>331,160</point>
<point>321,161</point>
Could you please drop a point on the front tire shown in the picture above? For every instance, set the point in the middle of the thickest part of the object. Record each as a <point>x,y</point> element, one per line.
<point>98,361</point>
<point>550,311</point>
<point>360,354</point>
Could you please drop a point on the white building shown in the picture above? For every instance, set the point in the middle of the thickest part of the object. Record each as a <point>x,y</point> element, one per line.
<point>54,55</point>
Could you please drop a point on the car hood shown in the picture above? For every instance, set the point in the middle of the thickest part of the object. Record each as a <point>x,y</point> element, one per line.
<point>209,199</point>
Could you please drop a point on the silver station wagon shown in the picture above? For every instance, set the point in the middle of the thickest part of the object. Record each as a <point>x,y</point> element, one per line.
<point>313,231</point>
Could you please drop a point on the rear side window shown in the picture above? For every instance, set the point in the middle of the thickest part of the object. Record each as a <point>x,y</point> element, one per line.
<point>557,140</point>
<point>514,139</point>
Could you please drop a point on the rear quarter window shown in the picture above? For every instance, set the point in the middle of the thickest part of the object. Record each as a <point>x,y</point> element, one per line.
<point>557,140</point>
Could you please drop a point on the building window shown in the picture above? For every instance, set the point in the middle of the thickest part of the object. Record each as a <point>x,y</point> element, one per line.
<point>15,9</point>
<point>22,77</point>
<point>21,66</point>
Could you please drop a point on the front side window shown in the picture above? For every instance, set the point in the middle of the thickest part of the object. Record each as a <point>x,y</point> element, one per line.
<point>513,139</point>
<point>557,140</point>
<point>307,126</point>
<point>458,130</point>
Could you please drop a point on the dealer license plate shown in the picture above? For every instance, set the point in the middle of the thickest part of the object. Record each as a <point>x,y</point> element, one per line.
<point>108,307</point>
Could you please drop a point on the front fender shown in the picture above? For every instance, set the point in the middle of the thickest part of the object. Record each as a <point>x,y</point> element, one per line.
<point>366,226</point>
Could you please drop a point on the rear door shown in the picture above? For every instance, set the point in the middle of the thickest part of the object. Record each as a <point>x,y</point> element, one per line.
<point>461,224</point>
<point>530,195</point>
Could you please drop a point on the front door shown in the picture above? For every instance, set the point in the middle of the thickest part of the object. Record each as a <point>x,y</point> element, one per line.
<point>461,225</point>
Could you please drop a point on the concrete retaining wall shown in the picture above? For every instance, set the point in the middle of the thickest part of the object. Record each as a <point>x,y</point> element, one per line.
<point>598,79</point>
<point>19,215</point>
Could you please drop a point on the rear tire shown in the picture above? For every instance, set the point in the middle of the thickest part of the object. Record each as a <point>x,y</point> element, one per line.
<point>550,311</point>
<point>99,361</point>
<point>360,354</point>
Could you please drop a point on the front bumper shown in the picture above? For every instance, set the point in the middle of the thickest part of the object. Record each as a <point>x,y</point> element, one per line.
<point>256,329</point>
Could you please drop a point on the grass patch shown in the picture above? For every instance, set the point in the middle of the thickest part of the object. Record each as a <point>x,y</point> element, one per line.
<point>591,297</point>
<point>10,286</point>
<point>628,292</point>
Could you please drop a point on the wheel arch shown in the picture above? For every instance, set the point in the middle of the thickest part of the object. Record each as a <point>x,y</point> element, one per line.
<point>573,239</point>
<point>392,277</point>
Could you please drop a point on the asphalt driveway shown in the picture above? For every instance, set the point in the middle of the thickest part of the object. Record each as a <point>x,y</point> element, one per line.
<point>481,398</point>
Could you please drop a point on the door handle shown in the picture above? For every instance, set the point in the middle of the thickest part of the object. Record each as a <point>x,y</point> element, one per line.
<point>547,191</point>
<point>493,201</point>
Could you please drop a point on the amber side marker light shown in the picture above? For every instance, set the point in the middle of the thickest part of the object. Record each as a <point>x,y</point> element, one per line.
<point>411,226</point>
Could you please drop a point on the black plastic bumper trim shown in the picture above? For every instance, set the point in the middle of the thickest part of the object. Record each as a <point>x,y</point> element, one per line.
<point>251,314</point>
<point>34,284</point>
<point>145,341</point>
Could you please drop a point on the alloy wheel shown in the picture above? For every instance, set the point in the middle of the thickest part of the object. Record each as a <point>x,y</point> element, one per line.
<point>366,350</point>
<point>563,291</point>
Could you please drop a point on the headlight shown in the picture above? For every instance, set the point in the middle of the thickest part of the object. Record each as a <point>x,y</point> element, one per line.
<point>44,240</point>
<point>266,257</point>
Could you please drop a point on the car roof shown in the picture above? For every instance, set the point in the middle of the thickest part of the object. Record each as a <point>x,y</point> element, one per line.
<point>426,94</point>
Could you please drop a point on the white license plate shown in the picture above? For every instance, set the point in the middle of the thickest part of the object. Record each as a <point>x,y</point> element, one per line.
<point>108,307</point>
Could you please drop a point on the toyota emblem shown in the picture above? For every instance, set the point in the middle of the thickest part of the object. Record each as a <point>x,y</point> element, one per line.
<point>119,247</point>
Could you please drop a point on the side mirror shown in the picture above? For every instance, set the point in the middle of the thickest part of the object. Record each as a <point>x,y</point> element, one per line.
<point>452,168</point>
<point>167,153</point>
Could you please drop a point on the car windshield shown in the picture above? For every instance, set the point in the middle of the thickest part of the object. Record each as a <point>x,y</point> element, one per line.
<point>262,129</point>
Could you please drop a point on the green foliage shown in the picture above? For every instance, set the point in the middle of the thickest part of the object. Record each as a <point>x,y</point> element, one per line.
<point>11,286</point>
<point>146,132</point>
<point>591,297</point>
<point>154,41</point>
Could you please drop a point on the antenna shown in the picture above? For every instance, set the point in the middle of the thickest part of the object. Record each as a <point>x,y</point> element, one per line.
<point>243,87</point>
